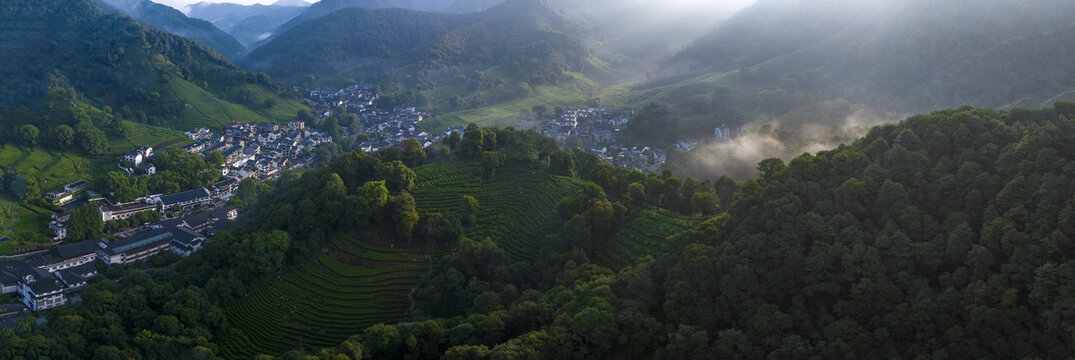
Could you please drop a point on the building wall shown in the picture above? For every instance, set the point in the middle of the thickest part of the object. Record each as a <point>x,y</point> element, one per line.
<point>85,259</point>
<point>36,303</point>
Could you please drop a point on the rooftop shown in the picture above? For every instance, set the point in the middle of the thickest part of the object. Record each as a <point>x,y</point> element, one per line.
<point>139,240</point>
<point>76,249</point>
<point>185,196</point>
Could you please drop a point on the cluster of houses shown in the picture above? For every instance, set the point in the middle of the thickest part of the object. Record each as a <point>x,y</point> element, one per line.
<point>355,99</point>
<point>257,150</point>
<point>54,278</point>
<point>139,159</point>
<point>596,130</point>
<point>382,128</point>
<point>385,129</point>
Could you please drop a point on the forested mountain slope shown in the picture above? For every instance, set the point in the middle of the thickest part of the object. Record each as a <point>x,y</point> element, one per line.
<point>519,42</point>
<point>143,74</point>
<point>173,21</point>
<point>907,55</point>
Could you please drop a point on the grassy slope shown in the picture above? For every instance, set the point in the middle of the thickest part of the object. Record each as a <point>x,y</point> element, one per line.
<point>208,110</point>
<point>572,93</point>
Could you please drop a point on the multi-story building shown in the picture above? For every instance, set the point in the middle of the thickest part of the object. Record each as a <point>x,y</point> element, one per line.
<point>138,247</point>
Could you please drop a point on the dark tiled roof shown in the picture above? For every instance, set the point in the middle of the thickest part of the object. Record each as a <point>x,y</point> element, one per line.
<point>225,183</point>
<point>222,213</point>
<point>84,270</point>
<point>44,282</point>
<point>71,278</point>
<point>184,196</point>
<point>138,241</point>
<point>13,271</point>
<point>198,220</point>
<point>76,249</point>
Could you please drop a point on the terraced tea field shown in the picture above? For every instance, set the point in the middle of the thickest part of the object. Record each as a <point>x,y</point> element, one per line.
<point>517,208</point>
<point>643,234</point>
<point>351,286</point>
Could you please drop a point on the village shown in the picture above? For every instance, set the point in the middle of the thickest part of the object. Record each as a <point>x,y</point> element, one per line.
<point>378,128</point>
<point>54,278</point>
<point>595,130</point>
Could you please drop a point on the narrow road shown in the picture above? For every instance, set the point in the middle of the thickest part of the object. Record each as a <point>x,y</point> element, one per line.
<point>20,256</point>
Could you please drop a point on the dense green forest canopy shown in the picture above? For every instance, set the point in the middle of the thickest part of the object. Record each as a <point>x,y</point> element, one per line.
<point>946,235</point>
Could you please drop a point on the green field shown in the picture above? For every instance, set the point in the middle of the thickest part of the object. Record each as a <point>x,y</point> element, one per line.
<point>142,134</point>
<point>351,286</point>
<point>568,94</point>
<point>517,208</point>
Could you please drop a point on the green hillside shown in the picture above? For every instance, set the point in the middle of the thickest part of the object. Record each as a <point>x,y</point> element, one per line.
<point>146,75</point>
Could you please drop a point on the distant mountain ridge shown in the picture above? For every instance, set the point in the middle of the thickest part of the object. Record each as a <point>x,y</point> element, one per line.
<point>173,21</point>
<point>326,7</point>
<point>249,24</point>
<point>915,55</point>
<point>525,34</point>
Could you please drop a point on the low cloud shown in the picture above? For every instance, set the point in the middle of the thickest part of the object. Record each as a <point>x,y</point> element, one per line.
<point>738,157</point>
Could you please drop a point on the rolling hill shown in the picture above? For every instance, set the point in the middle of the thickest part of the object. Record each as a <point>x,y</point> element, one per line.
<point>173,21</point>
<point>145,75</point>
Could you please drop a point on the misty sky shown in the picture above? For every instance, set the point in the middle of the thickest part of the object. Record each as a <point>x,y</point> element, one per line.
<point>179,4</point>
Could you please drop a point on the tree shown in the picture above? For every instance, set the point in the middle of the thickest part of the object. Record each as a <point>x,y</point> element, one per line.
<point>214,158</point>
<point>85,223</point>
<point>491,160</point>
<point>27,134</point>
<point>636,195</point>
<point>705,202</point>
<point>453,140</point>
<point>368,201</point>
<point>468,210</point>
<point>405,214</point>
<point>470,148</point>
<point>413,154</point>
<point>62,137</point>
<point>770,168</point>
<point>467,352</point>
<point>397,176</point>
<point>90,139</point>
